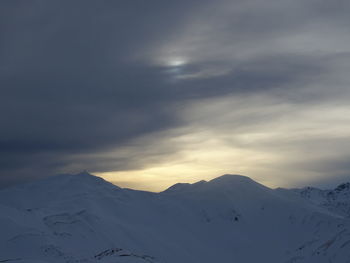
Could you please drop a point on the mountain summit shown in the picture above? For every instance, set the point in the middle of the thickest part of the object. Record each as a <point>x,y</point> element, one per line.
<point>225,181</point>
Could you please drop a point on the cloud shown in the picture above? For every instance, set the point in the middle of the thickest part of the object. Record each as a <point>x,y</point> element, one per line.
<point>99,86</point>
<point>275,142</point>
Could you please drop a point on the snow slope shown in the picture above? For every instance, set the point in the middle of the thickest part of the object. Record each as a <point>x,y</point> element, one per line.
<point>336,200</point>
<point>82,218</point>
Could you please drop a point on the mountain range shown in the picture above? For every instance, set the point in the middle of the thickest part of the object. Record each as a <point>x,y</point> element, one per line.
<point>83,218</point>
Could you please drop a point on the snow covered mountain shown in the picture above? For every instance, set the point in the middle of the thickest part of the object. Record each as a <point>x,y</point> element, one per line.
<point>82,218</point>
<point>336,200</point>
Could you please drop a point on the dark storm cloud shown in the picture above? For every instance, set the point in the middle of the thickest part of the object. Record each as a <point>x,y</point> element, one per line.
<point>66,83</point>
<point>81,78</point>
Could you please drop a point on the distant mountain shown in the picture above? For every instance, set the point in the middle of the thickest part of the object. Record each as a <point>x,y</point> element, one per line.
<point>82,218</point>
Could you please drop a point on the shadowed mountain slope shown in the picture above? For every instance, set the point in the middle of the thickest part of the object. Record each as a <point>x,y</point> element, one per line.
<point>82,218</point>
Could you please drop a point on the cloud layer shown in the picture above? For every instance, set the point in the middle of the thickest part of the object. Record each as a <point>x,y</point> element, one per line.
<point>146,91</point>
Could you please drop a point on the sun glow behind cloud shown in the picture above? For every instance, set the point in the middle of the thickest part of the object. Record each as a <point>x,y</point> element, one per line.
<point>175,62</point>
<point>193,165</point>
<point>277,147</point>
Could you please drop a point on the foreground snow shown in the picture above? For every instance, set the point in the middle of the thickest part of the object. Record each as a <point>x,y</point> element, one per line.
<point>82,218</point>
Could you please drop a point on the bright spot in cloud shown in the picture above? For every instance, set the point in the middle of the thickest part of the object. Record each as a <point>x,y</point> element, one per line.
<point>176,62</point>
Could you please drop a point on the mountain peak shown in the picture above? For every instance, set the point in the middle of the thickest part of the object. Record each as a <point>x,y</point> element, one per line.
<point>234,181</point>
<point>342,187</point>
<point>226,181</point>
<point>180,187</point>
<point>81,174</point>
<point>58,189</point>
<point>80,180</point>
<point>85,173</point>
<point>226,178</point>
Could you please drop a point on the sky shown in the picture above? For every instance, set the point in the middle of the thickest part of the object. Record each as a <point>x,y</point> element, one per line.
<point>150,93</point>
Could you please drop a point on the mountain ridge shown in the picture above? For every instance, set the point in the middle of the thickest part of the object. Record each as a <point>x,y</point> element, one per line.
<point>81,218</point>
